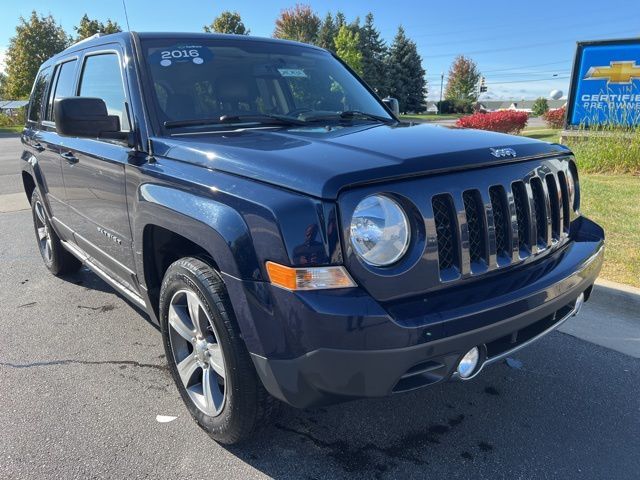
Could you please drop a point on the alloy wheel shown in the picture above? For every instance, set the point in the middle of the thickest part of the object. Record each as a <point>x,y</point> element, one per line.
<point>197,352</point>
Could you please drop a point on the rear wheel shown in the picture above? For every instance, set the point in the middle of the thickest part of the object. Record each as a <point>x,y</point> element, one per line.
<point>207,358</point>
<point>58,260</point>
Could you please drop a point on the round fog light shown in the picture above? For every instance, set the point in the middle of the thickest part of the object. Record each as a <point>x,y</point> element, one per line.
<point>469,362</point>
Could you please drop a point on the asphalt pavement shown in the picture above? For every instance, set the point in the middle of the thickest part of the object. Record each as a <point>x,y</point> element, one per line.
<point>83,379</point>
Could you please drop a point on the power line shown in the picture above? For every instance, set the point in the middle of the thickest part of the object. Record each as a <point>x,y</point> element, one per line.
<point>518,47</point>
<point>529,80</point>
<point>502,36</point>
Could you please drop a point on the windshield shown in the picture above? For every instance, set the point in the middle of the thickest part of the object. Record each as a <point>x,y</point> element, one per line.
<point>230,81</point>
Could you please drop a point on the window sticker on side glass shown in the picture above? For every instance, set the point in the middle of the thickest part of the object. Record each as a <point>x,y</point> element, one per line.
<point>181,54</point>
<point>292,72</point>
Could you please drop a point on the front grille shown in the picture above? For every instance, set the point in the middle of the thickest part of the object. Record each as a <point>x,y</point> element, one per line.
<point>504,223</point>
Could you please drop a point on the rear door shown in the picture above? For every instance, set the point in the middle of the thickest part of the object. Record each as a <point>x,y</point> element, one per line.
<point>46,142</point>
<point>94,175</point>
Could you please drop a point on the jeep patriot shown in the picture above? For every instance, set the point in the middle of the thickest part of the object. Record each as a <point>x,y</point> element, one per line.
<point>293,240</point>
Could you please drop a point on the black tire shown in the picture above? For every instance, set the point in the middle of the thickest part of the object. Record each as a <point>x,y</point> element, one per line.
<point>246,405</point>
<point>56,258</point>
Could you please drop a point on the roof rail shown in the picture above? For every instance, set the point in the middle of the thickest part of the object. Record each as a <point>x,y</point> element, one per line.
<point>95,35</point>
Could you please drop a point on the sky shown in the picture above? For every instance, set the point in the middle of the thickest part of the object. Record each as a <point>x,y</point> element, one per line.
<point>524,49</point>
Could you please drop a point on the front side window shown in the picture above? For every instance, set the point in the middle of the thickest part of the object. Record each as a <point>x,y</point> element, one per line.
<point>102,78</point>
<point>209,79</point>
<point>64,82</point>
<point>39,89</point>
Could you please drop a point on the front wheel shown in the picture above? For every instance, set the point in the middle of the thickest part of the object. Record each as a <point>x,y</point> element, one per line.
<point>207,358</point>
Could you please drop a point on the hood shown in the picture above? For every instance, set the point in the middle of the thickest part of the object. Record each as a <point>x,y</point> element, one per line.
<point>322,161</point>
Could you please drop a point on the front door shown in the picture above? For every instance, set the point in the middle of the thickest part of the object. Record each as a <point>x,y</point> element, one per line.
<point>94,172</point>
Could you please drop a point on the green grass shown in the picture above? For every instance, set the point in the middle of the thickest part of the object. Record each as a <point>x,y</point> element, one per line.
<point>546,134</point>
<point>613,201</point>
<point>607,151</point>
<point>16,129</point>
<point>430,117</point>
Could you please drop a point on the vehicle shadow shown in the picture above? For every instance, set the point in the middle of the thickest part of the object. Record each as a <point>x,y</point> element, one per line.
<point>87,279</point>
<point>537,417</point>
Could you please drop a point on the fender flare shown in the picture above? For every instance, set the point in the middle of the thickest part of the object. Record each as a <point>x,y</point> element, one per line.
<point>216,227</point>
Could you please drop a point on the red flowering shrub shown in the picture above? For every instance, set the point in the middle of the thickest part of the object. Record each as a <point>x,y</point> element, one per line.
<point>506,121</point>
<point>555,118</point>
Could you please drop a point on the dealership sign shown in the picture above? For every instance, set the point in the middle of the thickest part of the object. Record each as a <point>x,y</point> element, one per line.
<point>605,86</point>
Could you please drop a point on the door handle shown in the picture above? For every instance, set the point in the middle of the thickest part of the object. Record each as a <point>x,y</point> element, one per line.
<point>69,157</point>
<point>38,146</point>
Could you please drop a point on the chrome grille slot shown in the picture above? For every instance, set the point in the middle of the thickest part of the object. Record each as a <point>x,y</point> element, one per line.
<point>540,211</point>
<point>566,208</point>
<point>554,200</point>
<point>474,211</point>
<point>522,215</point>
<point>501,222</point>
<point>446,226</point>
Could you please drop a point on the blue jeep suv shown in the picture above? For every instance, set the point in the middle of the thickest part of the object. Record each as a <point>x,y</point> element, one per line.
<point>294,240</point>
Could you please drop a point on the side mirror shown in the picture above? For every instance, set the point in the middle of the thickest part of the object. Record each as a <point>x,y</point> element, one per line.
<point>392,104</point>
<point>86,117</point>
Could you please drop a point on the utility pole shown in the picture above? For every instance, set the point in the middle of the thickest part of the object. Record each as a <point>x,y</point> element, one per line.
<point>441,84</point>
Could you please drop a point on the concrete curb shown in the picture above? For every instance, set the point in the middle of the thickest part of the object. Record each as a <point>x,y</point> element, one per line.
<point>620,298</point>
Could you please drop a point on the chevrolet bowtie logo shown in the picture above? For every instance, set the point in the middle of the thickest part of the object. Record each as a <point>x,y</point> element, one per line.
<point>616,72</point>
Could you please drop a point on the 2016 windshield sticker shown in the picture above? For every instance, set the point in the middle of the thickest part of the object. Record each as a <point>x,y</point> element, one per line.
<point>195,54</point>
<point>292,72</point>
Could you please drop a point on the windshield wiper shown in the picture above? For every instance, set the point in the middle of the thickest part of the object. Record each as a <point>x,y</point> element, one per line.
<point>349,115</point>
<point>263,118</point>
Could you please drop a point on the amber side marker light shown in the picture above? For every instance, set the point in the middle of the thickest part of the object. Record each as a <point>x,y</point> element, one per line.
<point>312,278</point>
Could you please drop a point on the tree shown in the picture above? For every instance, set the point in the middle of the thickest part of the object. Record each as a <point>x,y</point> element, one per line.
<point>89,27</point>
<point>540,107</point>
<point>299,23</point>
<point>340,20</point>
<point>374,51</point>
<point>462,84</point>
<point>227,22</point>
<point>3,82</point>
<point>36,40</point>
<point>406,76</point>
<point>347,45</point>
<point>327,33</point>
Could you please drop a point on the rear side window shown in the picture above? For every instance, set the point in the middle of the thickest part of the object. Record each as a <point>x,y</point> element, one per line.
<point>102,78</point>
<point>39,90</point>
<point>64,82</point>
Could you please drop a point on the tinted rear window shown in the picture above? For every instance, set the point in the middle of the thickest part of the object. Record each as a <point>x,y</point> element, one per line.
<point>64,85</point>
<point>39,90</point>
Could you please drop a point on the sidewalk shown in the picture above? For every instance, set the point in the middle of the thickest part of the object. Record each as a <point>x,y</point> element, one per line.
<point>611,318</point>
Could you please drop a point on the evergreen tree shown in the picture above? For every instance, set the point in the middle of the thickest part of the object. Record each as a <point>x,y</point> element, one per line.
<point>540,106</point>
<point>36,40</point>
<point>340,20</point>
<point>89,27</point>
<point>405,73</point>
<point>327,33</point>
<point>348,48</point>
<point>227,22</point>
<point>374,51</point>
<point>462,84</point>
<point>299,23</point>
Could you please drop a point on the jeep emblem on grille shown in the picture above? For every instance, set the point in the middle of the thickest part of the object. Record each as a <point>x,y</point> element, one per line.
<point>502,152</point>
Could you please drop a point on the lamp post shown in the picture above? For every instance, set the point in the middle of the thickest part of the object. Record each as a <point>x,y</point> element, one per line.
<point>441,84</point>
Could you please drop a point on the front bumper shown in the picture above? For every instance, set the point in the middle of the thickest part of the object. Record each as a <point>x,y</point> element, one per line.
<point>313,348</point>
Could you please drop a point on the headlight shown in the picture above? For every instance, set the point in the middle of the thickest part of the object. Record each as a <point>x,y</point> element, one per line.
<point>379,231</point>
